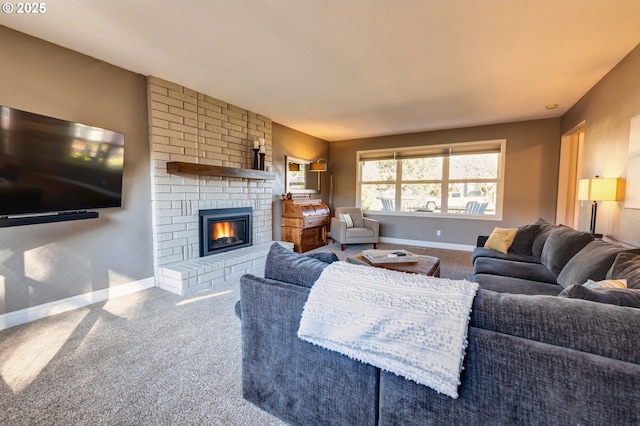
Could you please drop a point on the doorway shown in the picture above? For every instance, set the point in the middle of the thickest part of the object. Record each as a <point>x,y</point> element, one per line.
<point>568,207</point>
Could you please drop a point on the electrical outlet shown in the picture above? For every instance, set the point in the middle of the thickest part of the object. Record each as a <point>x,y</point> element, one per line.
<point>438,233</point>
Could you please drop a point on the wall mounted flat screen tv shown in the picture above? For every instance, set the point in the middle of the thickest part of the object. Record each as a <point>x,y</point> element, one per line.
<point>48,165</point>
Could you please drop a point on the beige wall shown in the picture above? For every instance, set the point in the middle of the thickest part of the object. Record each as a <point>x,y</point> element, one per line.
<point>607,110</point>
<point>287,141</point>
<point>47,262</point>
<point>531,170</point>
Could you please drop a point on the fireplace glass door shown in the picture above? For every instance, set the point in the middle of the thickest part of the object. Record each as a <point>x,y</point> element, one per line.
<point>224,229</point>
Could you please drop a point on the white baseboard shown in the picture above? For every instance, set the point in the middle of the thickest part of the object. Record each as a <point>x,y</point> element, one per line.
<point>434,244</point>
<point>26,315</point>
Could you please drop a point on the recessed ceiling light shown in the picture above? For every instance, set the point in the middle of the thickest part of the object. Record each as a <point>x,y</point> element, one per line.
<point>551,106</point>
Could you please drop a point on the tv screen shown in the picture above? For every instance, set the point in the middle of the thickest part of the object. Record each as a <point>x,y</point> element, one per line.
<point>50,165</point>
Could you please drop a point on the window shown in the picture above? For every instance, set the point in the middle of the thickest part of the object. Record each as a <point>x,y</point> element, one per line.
<point>459,180</point>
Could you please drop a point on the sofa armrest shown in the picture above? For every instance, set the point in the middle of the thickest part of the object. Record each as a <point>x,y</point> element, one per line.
<point>289,377</point>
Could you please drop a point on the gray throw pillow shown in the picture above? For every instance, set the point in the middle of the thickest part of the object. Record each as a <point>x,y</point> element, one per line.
<point>561,245</point>
<point>544,229</point>
<point>592,262</point>
<point>612,296</point>
<point>523,241</point>
<point>626,266</point>
<point>284,265</point>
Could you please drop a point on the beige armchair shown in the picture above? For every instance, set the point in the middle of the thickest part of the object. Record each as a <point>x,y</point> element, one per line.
<point>363,231</point>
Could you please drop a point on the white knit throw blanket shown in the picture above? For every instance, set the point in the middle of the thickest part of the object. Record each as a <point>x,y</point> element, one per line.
<point>412,325</point>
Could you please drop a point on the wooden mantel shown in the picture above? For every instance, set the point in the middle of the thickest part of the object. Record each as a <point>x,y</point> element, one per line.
<point>208,170</point>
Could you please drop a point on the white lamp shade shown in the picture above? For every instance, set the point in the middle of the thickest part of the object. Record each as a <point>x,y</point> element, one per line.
<point>583,189</point>
<point>318,167</point>
<point>600,189</point>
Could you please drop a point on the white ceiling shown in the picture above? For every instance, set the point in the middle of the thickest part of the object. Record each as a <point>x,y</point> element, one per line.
<point>342,69</point>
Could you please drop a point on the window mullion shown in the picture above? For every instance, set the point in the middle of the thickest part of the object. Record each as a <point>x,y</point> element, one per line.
<point>398,201</point>
<point>444,196</point>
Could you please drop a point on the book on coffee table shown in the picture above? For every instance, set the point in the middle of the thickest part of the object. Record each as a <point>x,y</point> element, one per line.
<point>389,256</point>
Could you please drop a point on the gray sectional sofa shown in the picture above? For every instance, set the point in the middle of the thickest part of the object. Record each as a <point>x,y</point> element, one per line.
<point>531,359</point>
<point>546,259</point>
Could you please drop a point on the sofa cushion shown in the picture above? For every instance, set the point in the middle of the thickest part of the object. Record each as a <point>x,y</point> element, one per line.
<point>592,262</point>
<point>627,266</point>
<point>485,252</point>
<point>284,265</point>
<point>515,285</point>
<point>501,239</point>
<point>561,245</point>
<point>510,268</point>
<point>613,296</point>
<point>523,241</point>
<point>544,229</point>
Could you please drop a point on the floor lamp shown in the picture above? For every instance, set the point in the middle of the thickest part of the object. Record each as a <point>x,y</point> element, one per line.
<point>599,189</point>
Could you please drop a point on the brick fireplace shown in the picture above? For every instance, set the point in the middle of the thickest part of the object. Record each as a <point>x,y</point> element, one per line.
<point>187,126</point>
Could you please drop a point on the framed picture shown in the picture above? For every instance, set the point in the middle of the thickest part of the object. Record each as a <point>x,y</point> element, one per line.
<point>632,197</point>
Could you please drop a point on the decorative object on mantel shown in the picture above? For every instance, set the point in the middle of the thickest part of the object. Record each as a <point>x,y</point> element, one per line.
<point>176,167</point>
<point>259,154</point>
<point>262,156</point>
<point>256,148</point>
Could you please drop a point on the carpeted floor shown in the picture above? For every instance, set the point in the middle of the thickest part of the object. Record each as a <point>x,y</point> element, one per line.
<point>149,358</point>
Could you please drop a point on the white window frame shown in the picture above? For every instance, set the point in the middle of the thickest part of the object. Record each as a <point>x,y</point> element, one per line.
<point>406,152</point>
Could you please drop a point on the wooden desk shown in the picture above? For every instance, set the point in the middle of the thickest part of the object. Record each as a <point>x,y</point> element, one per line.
<point>304,223</point>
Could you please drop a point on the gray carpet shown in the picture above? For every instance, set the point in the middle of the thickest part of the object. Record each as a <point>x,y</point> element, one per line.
<point>149,358</point>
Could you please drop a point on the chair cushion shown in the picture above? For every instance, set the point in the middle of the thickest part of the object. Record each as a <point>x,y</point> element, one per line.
<point>359,232</point>
<point>354,212</point>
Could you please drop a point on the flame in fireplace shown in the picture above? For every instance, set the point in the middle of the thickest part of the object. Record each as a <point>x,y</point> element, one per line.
<point>223,230</point>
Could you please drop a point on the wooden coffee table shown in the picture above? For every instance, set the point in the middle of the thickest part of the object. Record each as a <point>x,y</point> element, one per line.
<point>426,265</point>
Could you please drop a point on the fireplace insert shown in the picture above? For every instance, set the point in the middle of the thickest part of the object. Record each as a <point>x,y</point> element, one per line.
<point>225,229</point>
